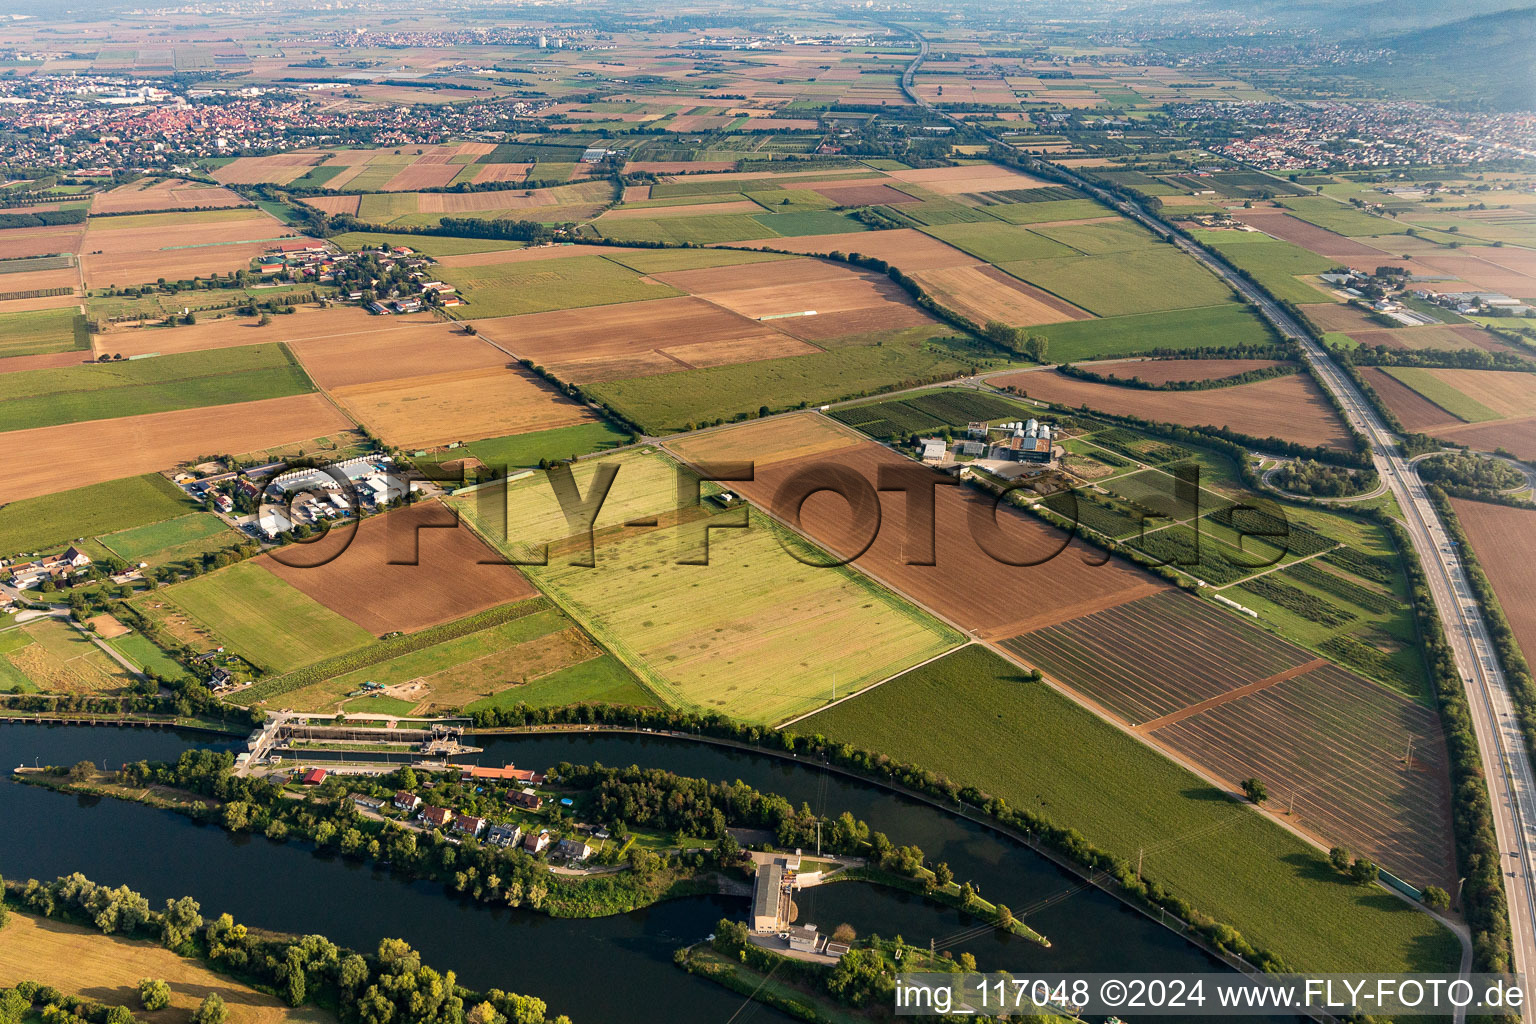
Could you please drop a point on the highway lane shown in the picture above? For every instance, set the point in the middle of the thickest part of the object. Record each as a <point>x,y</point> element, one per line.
<point>1505,758</point>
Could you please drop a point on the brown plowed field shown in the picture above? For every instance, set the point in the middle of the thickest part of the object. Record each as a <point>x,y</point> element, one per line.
<point>1517,436</point>
<point>48,459</point>
<point>906,248</point>
<point>447,582</point>
<point>1416,412</point>
<point>280,168</point>
<point>503,172</point>
<point>461,405</point>
<point>1506,392</point>
<point>635,339</point>
<point>861,195</point>
<point>1495,270</point>
<point>40,302</point>
<point>333,205</point>
<point>422,174</point>
<point>1165,371</point>
<point>1504,540</point>
<point>966,585</point>
<point>165,194</point>
<point>1242,703</point>
<point>49,241</point>
<point>1336,316</point>
<point>46,361</point>
<point>465,202</point>
<point>1449,337</point>
<point>387,349</point>
<point>34,280</point>
<point>791,286</point>
<point>985,293</point>
<point>176,249</point>
<point>1309,236</point>
<point>1290,407</point>
<point>765,442</point>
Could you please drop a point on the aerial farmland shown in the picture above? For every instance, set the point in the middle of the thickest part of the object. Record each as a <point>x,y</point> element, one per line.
<point>1064,476</point>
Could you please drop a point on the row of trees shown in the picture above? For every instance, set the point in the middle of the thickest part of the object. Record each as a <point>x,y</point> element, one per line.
<point>390,986</point>
<point>1201,384</point>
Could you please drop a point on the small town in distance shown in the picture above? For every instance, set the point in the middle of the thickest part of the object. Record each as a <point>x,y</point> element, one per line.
<point>526,514</point>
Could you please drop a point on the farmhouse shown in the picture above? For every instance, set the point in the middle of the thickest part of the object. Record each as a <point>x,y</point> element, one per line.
<point>54,567</point>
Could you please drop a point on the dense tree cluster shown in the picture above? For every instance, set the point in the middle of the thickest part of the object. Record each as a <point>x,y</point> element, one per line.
<point>1322,481</point>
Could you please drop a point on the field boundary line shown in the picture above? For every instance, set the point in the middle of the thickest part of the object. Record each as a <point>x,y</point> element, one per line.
<point>1231,695</point>
<point>880,682</point>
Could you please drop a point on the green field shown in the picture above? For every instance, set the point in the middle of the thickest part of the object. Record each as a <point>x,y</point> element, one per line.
<point>40,331</point>
<point>1463,407</point>
<point>808,222</point>
<point>382,207</point>
<point>266,621</point>
<point>173,539</point>
<point>668,402</point>
<point>1275,264</point>
<point>1056,209</point>
<point>70,394</point>
<point>603,680</point>
<point>432,245</point>
<point>521,450</point>
<point>663,261</point>
<point>1100,238</point>
<point>1140,281</point>
<point>974,719</point>
<point>1226,324</point>
<point>998,243</point>
<point>38,524</point>
<point>508,289</point>
<point>755,634</point>
<point>701,230</point>
<point>137,649</point>
<point>1346,220</point>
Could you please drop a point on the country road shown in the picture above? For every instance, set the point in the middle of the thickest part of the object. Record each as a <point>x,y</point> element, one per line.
<point>1506,761</point>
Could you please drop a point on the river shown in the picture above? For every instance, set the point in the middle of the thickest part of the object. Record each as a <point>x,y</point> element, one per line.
<point>610,970</point>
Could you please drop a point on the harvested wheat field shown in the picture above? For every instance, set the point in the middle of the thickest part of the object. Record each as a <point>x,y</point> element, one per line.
<point>48,459</point>
<point>334,205</point>
<point>907,248</point>
<point>164,194</point>
<point>695,210</point>
<point>306,322</point>
<point>950,181</point>
<point>495,257</point>
<point>1336,316</point>
<point>765,442</point>
<point>279,168</point>
<point>116,251</point>
<point>1416,412</point>
<point>861,194</point>
<point>33,280</point>
<point>503,172</point>
<point>1504,540</point>
<point>402,571</point>
<point>985,293</point>
<point>1486,269</point>
<point>636,339</point>
<point>45,361</point>
<point>1444,337</point>
<point>969,583</point>
<point>364,349</point>
<point>460,405</point>
<point>1506,393</point>
<point>83,962</point>
<point>844,300</point>
<point>1291,407</point>
<point>1167,371</point>
<point>678,166</point>
<point>16,243</point>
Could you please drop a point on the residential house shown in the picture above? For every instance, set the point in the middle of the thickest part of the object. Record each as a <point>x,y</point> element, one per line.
<point>526,798</point>
<point>536,842</point>
<point>469,825</point>
<point>504,835</point>
<point>573,849</point>
<point>436,817</point>
<point>405,800</point>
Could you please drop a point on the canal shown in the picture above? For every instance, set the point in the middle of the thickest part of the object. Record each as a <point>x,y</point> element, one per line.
<point>614,969</point>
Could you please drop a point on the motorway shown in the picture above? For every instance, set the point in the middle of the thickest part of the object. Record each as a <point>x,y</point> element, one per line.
<point>1506,761</point>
